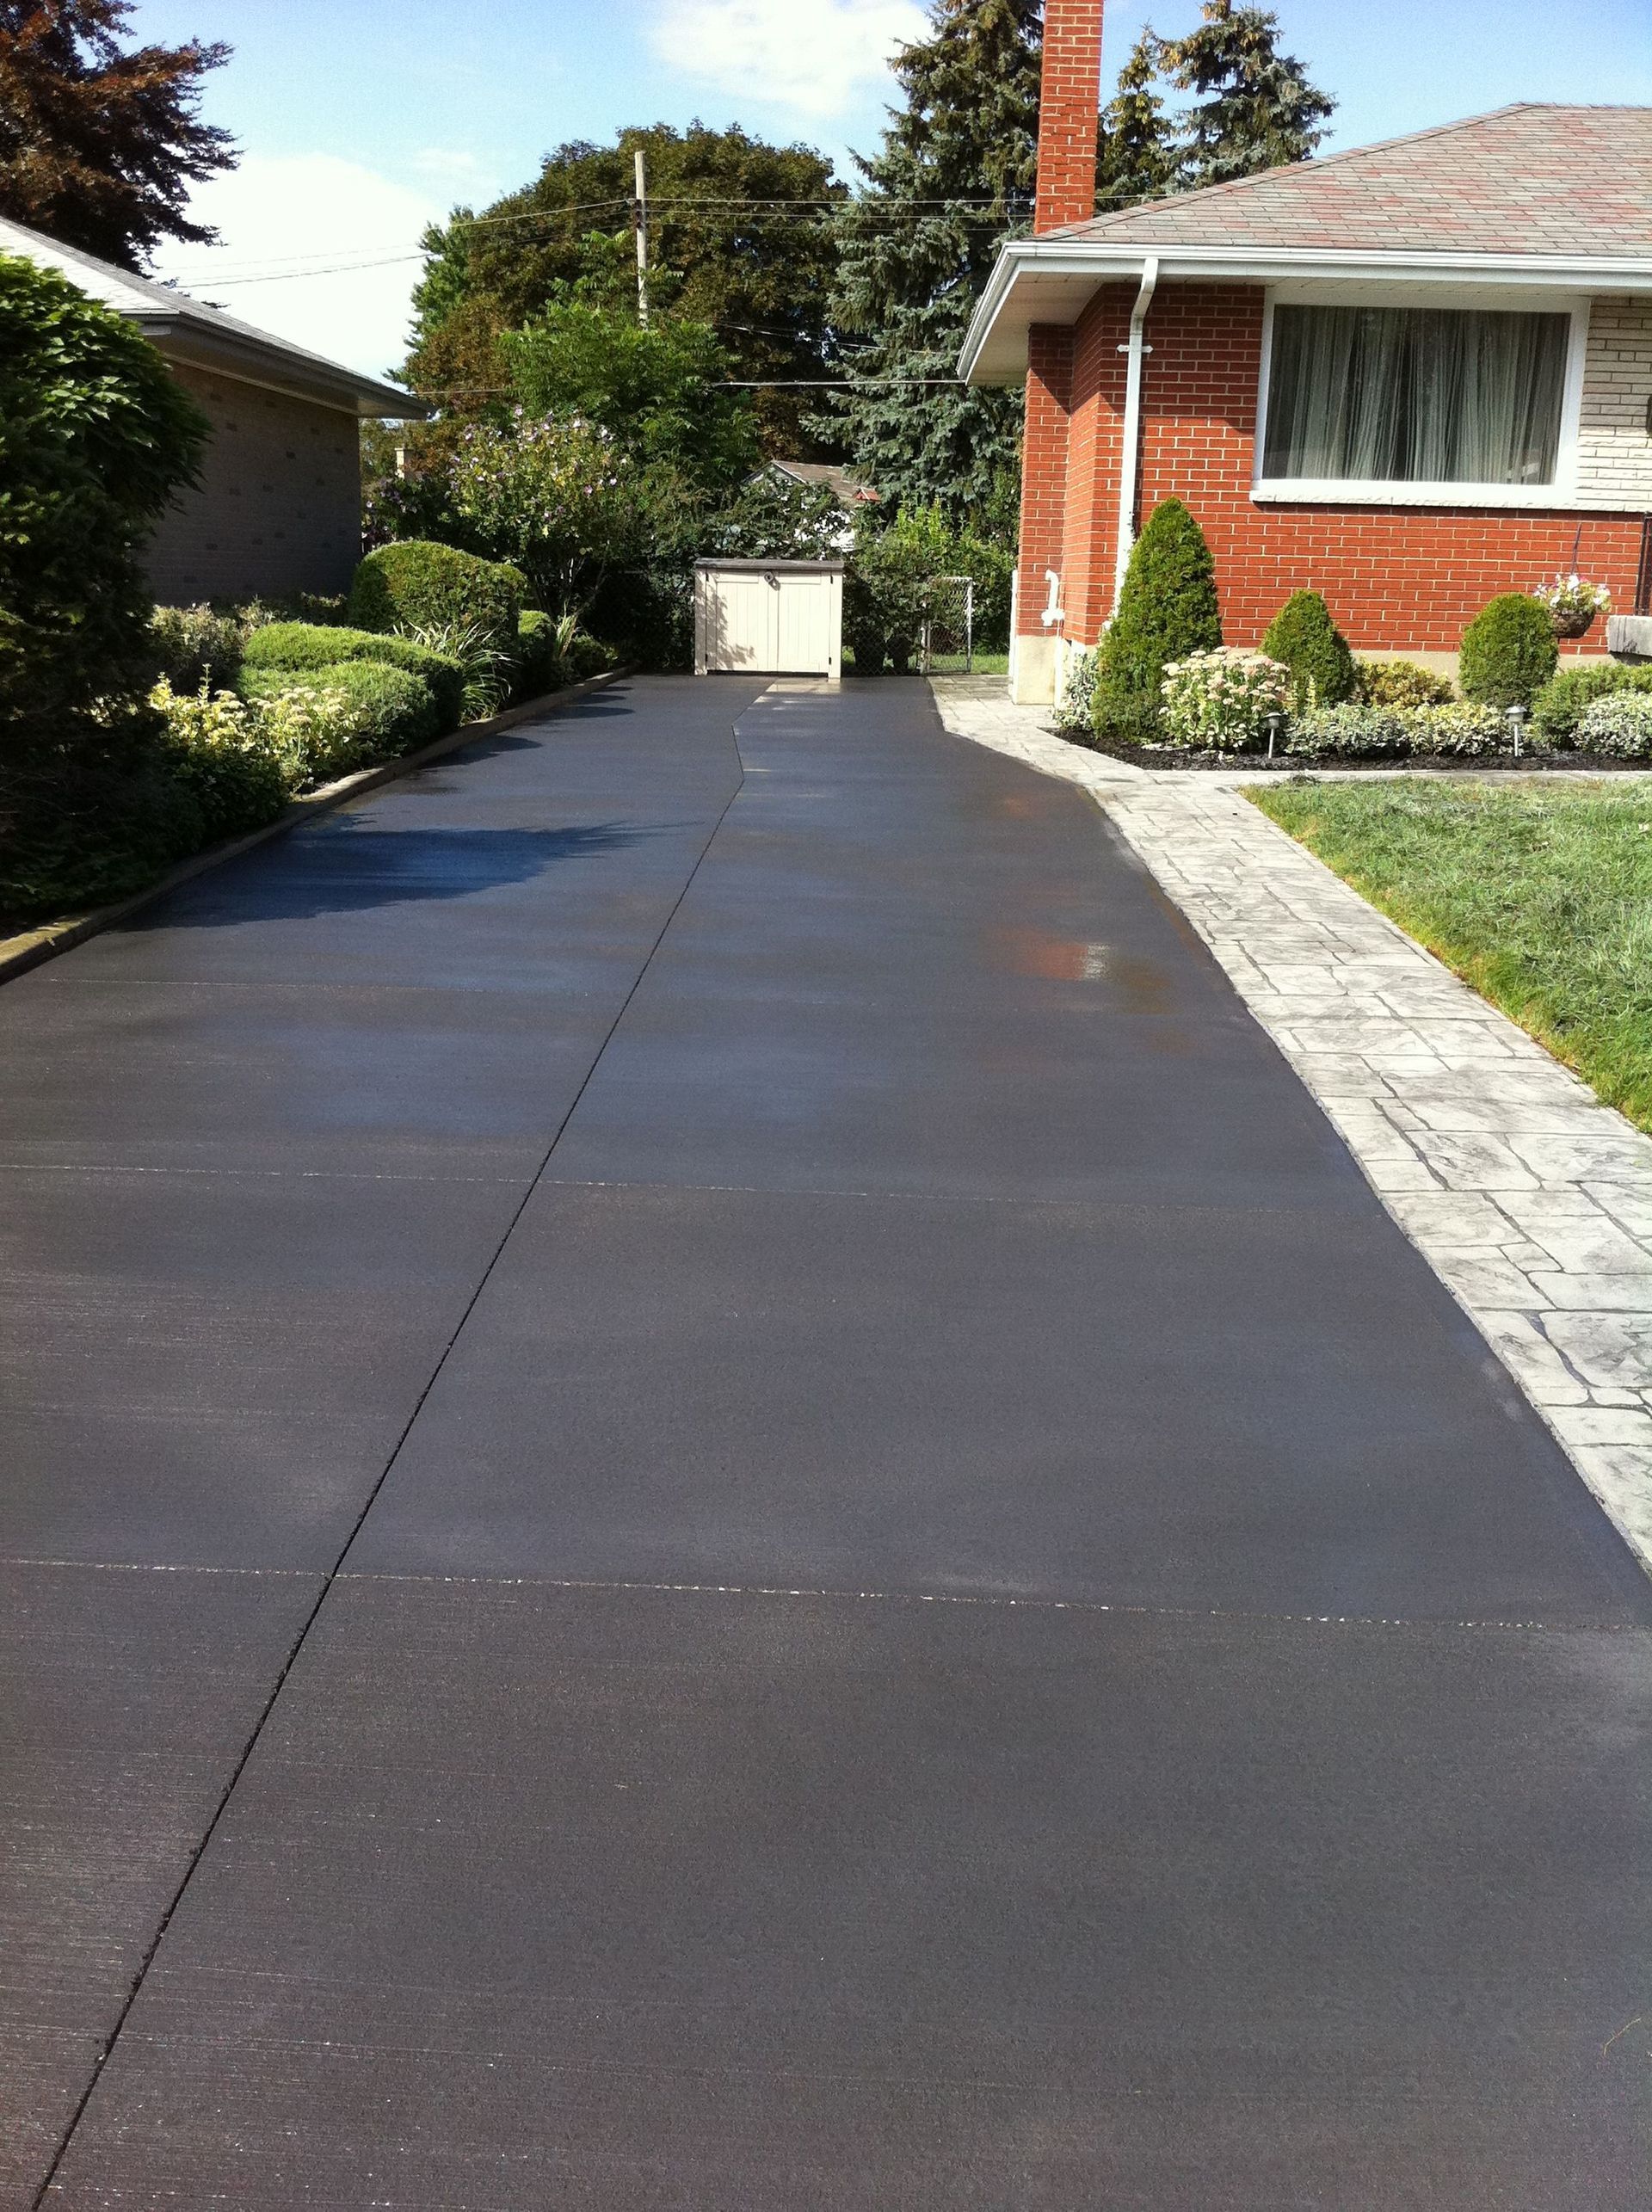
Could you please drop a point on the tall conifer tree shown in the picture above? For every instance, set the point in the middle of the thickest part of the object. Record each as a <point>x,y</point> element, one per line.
<point>954,176</point>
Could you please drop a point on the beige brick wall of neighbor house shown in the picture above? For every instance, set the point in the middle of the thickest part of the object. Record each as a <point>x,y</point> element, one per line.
<point>280,505</point>
<point>1614,452</point>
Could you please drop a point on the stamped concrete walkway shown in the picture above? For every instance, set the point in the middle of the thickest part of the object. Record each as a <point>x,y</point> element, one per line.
<point>719,1493</point>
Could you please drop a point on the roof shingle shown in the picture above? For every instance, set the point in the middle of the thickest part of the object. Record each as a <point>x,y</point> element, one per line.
<point>1528,179</point>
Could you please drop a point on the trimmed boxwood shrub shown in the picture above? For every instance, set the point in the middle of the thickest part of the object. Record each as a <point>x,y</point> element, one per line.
<point>417,585</point>
<point>390,710</point>
<point>308,646</point>
<point>1167,610</point>
<point>1508,652</point>
<point>537,668</point>
<point>1559,707</point>
<point>1303,635</point>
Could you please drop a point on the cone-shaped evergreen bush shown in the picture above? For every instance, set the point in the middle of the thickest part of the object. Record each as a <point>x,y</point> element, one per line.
<point>1508,652</point>
<point>1167,610</point>
<point>1302,635</point>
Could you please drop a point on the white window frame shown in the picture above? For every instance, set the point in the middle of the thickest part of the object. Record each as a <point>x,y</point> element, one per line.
<point>1374,491</point>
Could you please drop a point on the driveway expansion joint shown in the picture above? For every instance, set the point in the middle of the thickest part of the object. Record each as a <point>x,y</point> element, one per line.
<point>1531,1200</point>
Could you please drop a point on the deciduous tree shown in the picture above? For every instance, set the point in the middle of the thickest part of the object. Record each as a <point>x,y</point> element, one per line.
<point>100,142</point>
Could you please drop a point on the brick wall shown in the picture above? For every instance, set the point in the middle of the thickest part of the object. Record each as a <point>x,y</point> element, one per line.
<point>1044,470</point>
<point>1396,579</point>
<point>280,505</point>
<point>1614,452</point>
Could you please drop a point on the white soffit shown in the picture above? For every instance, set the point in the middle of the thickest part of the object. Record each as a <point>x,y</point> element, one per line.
<point>1052,280</point>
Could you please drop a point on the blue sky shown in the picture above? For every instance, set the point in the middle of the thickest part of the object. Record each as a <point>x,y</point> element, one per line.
<point>360,118</point>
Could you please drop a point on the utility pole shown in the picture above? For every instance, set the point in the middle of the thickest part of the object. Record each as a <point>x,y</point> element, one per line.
<point>642,237</point>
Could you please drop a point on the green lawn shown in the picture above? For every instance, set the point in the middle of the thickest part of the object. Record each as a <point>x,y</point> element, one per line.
<point>1539,897</point>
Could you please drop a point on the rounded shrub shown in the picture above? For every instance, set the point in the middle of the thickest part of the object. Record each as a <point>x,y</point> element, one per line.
<point>1303,635</point>
<point>1619,723</point>
<point>1508,652</point>
<point>417,585</point>
<point>1167,610</point>
<point>308,646</point>
<point>1400,683</point>
<point>1560,706</point>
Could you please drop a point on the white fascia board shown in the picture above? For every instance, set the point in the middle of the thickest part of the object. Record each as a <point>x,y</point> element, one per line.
<point>1025,260</point>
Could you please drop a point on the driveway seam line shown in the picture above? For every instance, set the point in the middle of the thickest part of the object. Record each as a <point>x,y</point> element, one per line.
<point>329,1575</point>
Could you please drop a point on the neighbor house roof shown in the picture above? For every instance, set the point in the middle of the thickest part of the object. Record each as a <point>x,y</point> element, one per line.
<point>1531,194</point>
<point>849,490</point>
<point>193,335</point>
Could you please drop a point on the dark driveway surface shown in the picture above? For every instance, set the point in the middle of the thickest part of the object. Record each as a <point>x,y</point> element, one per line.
<point>720,1497</point>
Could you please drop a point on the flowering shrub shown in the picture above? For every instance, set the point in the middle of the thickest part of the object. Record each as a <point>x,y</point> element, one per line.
<point>1572,604</point>
<point>1621,724</point>
<point>1076,706</point>
<point>559,499</point>
<point>1218,700</point>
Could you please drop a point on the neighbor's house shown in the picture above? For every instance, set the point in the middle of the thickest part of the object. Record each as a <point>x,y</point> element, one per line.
<point>279,508</point>
<point>1410,376</point>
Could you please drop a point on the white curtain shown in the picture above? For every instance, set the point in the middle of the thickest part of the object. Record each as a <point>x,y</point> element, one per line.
<point>1420,395</point>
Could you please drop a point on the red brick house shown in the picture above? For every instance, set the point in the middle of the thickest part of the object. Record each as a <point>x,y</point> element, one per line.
<point>1409,376</point>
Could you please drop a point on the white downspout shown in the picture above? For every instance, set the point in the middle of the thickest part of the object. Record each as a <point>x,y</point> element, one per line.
<point>1129,455</point>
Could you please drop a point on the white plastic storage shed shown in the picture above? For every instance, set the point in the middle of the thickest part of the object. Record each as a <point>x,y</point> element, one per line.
<point>769,618</point>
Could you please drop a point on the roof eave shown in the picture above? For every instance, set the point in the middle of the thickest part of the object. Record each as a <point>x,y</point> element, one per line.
<point>195,342</point>
<point>1067,271</point>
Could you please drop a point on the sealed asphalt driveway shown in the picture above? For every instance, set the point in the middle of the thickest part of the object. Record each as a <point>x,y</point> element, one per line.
<point>717,1496</point>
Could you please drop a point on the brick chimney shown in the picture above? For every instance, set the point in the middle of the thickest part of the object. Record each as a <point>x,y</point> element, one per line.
<point>1069,110</point>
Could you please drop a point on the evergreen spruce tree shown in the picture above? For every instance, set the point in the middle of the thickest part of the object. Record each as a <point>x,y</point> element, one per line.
<point>1256,109</point>
<point>1137,157</point>
<point>955,176</point>
<point>1167,610</point>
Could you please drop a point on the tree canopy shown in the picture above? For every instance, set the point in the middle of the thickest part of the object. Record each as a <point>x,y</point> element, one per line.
<point>1255,108</point>
<point>738,241</point>
<point>100,142</point>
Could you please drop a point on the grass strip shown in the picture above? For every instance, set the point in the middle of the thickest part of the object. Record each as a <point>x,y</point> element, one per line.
<point>1539,897</point>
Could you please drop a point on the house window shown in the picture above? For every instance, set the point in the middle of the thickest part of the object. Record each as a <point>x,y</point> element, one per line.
<point>1415,395</point>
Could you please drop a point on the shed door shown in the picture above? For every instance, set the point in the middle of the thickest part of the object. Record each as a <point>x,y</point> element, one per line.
<point>744,614</point>
<point>769,622</point>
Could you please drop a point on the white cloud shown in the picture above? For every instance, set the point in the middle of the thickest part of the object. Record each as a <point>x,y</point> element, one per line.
<point>813,54</point>
<point>308,228</point>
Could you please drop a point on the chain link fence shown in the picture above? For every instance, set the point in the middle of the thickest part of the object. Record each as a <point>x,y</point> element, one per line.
<point>946,641</point>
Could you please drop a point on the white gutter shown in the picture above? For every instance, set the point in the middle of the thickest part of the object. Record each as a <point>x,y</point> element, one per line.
<point>1130,456</point>
<point>1023,258</point>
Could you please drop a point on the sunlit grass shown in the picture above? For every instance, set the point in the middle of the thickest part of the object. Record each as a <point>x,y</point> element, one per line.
<point>1540,896</point>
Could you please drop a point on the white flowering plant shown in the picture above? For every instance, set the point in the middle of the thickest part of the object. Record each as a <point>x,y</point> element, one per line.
<point>1219,700</point>
<point>559,497</point>
<point>1572,603</point>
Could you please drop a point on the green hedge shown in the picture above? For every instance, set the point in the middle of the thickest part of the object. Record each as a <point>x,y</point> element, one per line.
<point>390,710</point>
<point>308,646</point>
<point>417,584</point>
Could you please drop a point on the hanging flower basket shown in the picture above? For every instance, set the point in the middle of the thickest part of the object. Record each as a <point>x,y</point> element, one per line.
<point>1572,604</point>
